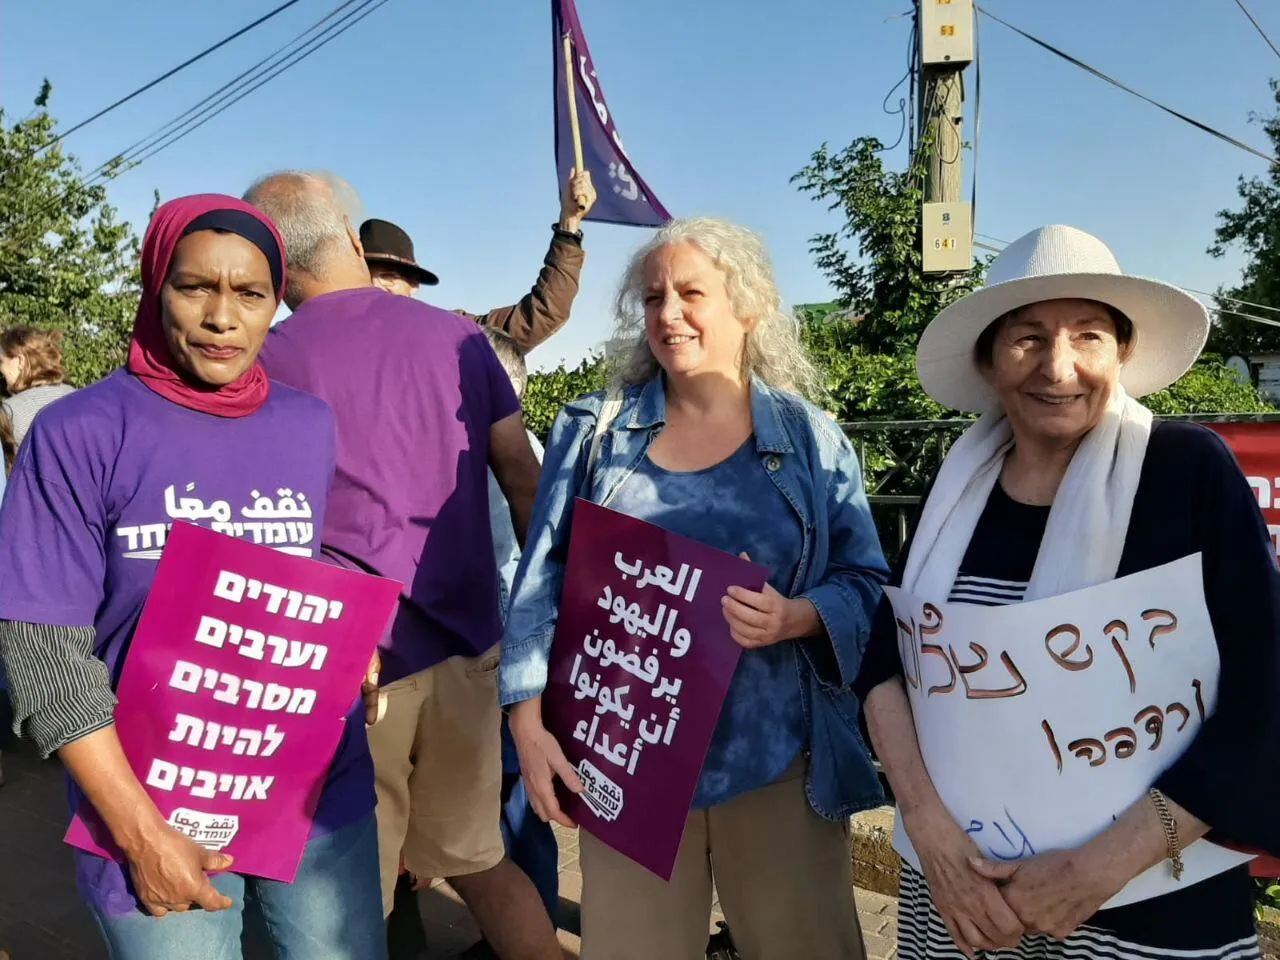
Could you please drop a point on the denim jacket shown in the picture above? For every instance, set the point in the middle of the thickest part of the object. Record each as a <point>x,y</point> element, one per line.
<point>841,565</point>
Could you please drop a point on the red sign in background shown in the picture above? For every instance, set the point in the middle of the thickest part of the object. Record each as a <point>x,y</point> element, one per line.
<point>1257,449</point>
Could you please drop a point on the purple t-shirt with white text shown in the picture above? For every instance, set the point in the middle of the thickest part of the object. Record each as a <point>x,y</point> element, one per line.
<point>101,477</point>
<point>415,390</point>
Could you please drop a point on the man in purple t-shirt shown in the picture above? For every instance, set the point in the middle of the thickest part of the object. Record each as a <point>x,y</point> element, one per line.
<point>424,410</point>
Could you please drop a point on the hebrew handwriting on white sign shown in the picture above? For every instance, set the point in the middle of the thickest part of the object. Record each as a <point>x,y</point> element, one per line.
<point>1042,721</point>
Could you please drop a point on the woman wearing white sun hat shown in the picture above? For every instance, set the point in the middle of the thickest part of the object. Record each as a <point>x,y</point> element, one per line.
<point>1064,483</point>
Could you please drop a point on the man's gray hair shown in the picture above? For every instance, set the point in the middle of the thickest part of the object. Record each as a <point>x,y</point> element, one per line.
<point>511,357</point>
<point>312,211</point>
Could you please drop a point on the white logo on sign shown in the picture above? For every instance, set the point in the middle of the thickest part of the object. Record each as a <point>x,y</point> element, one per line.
<point>211,830</point>
<point>602,795</point>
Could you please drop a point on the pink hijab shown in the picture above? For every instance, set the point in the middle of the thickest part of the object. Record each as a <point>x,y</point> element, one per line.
<point>149,357</point>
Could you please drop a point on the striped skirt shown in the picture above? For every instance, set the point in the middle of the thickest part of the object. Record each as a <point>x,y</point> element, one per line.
<point>1212,920</point>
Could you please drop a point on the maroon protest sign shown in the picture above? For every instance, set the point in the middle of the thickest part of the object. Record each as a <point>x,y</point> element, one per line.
<point>640,665</point>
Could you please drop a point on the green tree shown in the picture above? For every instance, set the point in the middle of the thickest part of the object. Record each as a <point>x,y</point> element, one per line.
<point>1255,228</point>
<point>548,392</point>
<point>66,261</point>
<point>882,283</point>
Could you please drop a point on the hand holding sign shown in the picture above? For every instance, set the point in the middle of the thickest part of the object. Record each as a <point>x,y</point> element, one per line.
<point>1053,893</point>
<point>374,703</point>
<point>170,874</point>
<point>232,703</point>
<point>975,914</point>
<point>765,617</point>
<point>541,761</point>
<point>169,870</point>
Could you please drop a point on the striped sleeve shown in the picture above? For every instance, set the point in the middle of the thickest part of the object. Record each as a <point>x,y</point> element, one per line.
<point>60,690</point>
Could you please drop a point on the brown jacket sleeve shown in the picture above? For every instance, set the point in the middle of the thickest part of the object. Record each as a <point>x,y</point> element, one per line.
<point>545,308</point>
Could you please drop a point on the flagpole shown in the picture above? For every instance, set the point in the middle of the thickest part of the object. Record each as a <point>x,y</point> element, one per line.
<point>571,92</point>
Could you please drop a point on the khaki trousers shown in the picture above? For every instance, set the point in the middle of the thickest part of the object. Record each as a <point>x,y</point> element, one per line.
<point>783,876</point>
<point>437,763</point>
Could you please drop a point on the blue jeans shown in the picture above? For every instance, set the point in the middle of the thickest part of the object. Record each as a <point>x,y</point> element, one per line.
<point>333,909</point>
<point>531,844</point>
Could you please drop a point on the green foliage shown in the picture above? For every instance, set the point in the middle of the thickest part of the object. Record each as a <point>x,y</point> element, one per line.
<point>66,262</point>
<point>862,384</point>
<point>883,283</point>
<point>1208,387</point>
<point>1255,227</point>
<point>1266,893</point>
<point>548,392</point>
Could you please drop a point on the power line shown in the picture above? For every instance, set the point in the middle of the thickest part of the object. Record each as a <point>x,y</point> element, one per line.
<point>1232,300</point>
<point>246,83</point>
<point>903,111</point>
<point>165,76</point>
<point>1257,26</point>
<point>1247,316</point>
<point>227,95</point>
<point>1127,89</point>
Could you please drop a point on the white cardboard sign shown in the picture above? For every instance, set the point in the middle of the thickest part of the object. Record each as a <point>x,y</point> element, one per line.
<point>1041,722</point>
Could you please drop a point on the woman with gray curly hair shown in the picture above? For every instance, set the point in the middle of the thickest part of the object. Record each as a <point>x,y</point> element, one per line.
<point>705,433</point>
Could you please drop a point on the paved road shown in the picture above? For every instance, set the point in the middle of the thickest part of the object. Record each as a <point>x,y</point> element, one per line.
<point>41,917</point>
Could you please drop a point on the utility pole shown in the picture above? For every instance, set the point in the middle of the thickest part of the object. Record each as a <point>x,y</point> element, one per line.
<point>943,121</point>
<point>946,48</point>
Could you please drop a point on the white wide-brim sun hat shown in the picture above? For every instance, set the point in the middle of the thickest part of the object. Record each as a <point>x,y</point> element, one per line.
<point>1057,263</point>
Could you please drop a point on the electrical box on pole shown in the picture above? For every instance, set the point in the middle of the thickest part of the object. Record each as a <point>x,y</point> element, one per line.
<point>947,237</point>
<point>946,32</point>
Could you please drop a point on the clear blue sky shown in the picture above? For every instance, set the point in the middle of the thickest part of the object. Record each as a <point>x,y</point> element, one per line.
<point>439,113</point>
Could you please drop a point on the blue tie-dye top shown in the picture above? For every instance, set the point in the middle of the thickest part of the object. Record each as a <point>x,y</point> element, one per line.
<point>734,506</point>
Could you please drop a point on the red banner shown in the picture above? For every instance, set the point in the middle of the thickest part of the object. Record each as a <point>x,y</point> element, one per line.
<point>1257,449</point>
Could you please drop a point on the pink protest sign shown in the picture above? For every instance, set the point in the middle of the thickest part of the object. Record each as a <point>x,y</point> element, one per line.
<point>234,693</point>
<point>639,669</point>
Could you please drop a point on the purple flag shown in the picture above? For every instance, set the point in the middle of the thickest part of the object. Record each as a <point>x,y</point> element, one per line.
<point>623,196</point>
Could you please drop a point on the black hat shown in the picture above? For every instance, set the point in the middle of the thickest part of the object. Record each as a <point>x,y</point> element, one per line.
<point>384,242</point>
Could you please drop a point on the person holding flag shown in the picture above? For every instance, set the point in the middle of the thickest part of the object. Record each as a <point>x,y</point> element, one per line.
<point>388,250</point>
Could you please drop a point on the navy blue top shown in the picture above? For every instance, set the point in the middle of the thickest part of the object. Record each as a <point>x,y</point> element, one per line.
<point>734,506</point>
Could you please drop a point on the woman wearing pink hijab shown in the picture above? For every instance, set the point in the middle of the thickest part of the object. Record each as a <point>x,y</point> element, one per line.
<point>192,409</point>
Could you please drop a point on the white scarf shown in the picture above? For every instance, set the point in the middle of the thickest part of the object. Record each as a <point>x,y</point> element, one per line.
<point>1085,534</point>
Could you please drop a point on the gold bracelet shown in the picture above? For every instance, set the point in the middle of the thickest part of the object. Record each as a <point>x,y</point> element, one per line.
<point>1170,827</point>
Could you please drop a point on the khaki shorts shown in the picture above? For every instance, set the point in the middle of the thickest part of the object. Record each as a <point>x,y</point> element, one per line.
<point>437,758</point>
<point>782,872</point>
